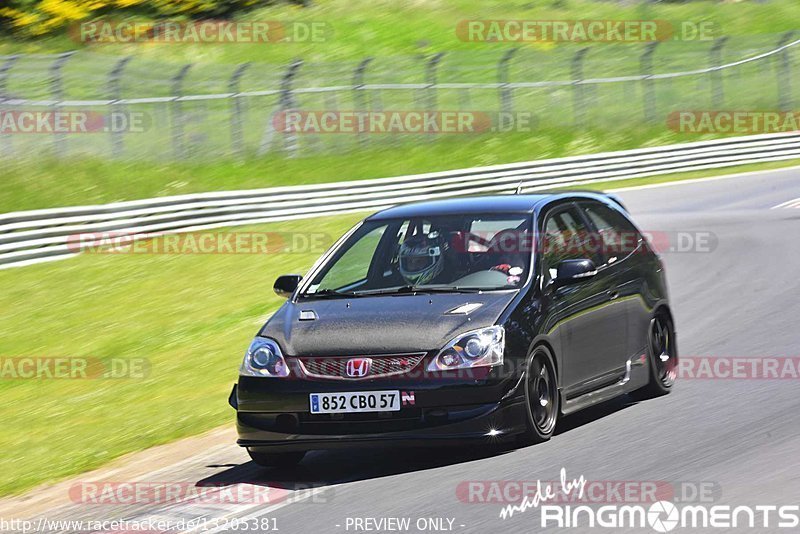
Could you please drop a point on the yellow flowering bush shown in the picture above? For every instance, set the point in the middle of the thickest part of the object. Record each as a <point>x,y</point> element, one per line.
<point>38,17</point>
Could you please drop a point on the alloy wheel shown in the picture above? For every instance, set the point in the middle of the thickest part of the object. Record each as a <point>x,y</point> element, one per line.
<point>661,345</point>
<point>542,394</point>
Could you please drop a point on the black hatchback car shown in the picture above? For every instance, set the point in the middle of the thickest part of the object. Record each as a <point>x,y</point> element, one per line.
<point>470,320</point>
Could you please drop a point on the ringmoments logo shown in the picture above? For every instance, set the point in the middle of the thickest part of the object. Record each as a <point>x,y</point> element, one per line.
<point>664,516</point>
<point>660,516</point>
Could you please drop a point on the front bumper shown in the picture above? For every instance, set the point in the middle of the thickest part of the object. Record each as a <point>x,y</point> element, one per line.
<point>273,415</point>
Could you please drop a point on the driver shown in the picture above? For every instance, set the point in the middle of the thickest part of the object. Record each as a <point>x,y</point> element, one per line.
<point>421,256</point>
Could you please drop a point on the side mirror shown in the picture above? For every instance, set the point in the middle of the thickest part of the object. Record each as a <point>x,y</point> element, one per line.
<point>569,271</point>
<point>285,285</point>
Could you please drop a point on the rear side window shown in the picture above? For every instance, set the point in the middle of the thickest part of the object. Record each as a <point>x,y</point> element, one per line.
<point>617,234</point>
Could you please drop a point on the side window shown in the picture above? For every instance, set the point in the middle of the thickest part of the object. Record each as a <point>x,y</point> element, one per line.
<point>617,235</point>
<point>354,264</point>
<point>566,238</point>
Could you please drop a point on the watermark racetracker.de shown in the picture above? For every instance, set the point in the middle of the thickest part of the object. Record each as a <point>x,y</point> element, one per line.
<point>38,121</point>
<point>586,30</point>
<point>258,492</point>
<point>489,492</point>
<point>212,31</point>
<point>120,242</point>
<point>608,242</point>
<point>733,122</point>
<point>739,368</point>
<point>72,367</point>
<point>249,242</point>
<point>402,121</point>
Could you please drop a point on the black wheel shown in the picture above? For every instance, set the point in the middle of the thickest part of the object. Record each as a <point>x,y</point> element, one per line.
<point>276,459</point>
<point>663,358</point>
<point>541,396</point>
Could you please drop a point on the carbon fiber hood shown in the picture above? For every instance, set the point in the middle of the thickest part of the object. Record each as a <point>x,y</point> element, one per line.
<point>380,324</point>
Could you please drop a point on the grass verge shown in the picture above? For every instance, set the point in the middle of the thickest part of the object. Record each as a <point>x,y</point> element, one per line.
<point>190,316</point>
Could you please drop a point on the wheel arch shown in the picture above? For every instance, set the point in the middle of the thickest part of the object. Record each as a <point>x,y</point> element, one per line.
<point>664,308</point>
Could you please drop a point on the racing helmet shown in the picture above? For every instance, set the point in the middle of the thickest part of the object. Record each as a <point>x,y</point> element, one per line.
<point>421,257</point>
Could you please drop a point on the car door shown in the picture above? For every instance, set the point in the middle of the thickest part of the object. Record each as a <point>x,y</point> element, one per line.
<point>591,327</point>
<point>626,263</point>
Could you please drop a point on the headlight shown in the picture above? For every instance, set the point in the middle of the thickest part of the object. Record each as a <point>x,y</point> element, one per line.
<point>264,358</point>
<point>477,348</point>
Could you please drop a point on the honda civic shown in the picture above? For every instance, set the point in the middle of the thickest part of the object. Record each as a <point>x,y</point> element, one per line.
<point>462,321</point>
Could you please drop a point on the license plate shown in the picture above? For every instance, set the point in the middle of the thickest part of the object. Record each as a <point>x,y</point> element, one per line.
<point>355,402</point>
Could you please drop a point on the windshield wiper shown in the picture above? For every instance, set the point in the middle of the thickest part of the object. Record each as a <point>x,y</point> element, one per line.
<point>401,290</point>
<point>407,290</point>
<point>450,289</point>
<point>330,293</point>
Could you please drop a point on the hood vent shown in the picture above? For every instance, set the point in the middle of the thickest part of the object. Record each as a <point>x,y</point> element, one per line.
<point>308,315</point>
<point>465,309</point>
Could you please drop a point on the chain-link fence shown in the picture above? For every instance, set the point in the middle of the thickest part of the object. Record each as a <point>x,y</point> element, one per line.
<point>142,109</point>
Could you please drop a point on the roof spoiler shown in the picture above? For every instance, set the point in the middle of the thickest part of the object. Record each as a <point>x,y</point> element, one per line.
<point>611,196</point>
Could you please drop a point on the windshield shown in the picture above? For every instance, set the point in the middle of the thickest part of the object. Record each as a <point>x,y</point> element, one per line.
<point>444,253</point>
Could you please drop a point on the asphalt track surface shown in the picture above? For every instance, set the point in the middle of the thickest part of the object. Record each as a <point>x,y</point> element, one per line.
<point>736,439</point>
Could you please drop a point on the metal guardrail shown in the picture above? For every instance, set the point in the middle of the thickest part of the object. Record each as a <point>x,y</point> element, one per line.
<point>34,236</point>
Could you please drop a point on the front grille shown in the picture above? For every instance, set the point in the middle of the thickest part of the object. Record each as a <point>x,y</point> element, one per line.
<point>335,367</point>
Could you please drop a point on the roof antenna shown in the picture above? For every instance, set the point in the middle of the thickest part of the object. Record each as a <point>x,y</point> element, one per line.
<point>519,189</point>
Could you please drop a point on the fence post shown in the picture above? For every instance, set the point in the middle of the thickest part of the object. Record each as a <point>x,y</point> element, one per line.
<point>287,102</point>
<point>5,69</point>
<point>237,139</point>
<point>8,64</point>
<point>431,79</point>
<point>578,89</point>
<point>506,93</point>
<point>177,112</point>
<point>717,87</point>
<point>57,90</point>
<point>114,78</point>
<point>648,86</point>
<point>785,73</point>
<point>359,98</point>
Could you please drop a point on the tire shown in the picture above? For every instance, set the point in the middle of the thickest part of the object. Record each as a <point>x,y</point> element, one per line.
<point>542,399</point>
<point>276,459</point>
<point>662,353</point>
